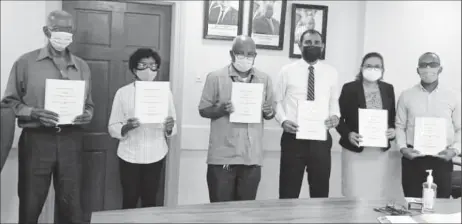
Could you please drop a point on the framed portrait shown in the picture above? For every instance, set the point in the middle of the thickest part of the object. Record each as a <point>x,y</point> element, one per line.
<point>223,19</point>
<point>306,17</point>
<point>267,22</point>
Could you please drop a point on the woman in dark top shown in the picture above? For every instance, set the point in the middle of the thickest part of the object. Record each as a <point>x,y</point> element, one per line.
<point>365,169</point>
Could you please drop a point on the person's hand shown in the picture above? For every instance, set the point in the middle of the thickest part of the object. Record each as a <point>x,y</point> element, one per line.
<point>168,125</point>
<point>85,118</point>
<point>227,107</point>
<point>354,138</point>
<point>290,126</point>
<point>132,123</point>
<point>331,122</point>
<point>391,133</point>
<point>410,153</point>
<point>267,109</point>
<point>447,154</point>
<point>46,117</point>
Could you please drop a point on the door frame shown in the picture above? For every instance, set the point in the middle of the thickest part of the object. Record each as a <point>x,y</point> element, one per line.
<point>172,172</point>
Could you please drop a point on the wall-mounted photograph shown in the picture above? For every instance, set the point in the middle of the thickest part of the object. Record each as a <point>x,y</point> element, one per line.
<point>223,19</point>
<point>266,23</point>
<point>306,17</point>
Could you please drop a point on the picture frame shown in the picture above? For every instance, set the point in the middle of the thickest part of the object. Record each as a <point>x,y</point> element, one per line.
<point>223,19</point>
<point>267,23</point>
<point>305,17</point>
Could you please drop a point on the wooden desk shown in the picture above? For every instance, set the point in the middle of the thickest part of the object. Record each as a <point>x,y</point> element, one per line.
<point>288,210</point>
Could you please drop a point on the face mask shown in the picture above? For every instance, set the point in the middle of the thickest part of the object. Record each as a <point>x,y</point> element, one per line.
<point>146,74</point>
<point>372,75</point>
<point>311,53</point>
<point>60,40</point>
<point>428,75</point>
<point>243,65</point>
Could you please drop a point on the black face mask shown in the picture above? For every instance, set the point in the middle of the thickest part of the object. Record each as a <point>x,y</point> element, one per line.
<point>311,53</point>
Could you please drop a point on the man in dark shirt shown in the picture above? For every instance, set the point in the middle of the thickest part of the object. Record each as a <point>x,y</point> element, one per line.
<point>46,149</point>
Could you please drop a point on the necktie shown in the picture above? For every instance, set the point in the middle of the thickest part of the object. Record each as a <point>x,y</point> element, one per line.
<point>310,95</point>
<point>221,15</point>
<point>270,23</point>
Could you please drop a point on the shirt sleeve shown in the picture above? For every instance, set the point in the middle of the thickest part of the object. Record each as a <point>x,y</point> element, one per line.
<point>269,96</point>
<point>89,106</point>
<point>334,96</point>
<point>209,93</point>
<point>117,118</point>
<point>401,121</point>
<point>457,126</point>
<point>172,113</point>
<point>279,95</point>
<point>15,89</point>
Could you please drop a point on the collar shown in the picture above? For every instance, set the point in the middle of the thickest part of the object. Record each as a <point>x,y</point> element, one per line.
<point>223,8</point>
<point>420,87</point>
<point>45,53</point>
<point>233,73</point>
<point>305,64</point>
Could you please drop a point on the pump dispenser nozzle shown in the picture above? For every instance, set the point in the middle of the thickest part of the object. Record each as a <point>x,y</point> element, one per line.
<point>429,177</point>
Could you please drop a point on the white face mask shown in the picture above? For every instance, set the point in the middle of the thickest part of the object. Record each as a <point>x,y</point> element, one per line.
<point>371,74</point>
<point>428,75</point>
<point>146,74</point>
<point>60,40</point>
<point>243,65</point>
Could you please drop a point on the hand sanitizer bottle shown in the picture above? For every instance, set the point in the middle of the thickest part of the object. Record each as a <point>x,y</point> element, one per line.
<point>429,194</point>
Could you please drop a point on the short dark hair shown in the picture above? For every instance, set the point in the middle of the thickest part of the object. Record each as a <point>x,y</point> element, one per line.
<point>310,31</point>
<point>141,53</point>
<point>359,76</point>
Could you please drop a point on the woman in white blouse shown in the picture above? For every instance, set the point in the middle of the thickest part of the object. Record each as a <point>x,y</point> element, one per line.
<point>142,147</point>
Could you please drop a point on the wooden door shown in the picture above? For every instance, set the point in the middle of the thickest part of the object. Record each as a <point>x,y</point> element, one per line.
<point>106,34</point>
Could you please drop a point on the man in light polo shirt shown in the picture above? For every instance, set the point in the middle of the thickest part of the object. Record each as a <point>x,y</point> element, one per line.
<point>235,149</point>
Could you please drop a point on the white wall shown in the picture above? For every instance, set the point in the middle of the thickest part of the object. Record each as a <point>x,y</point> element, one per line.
<point>344,49</point>
<point>403,30</point>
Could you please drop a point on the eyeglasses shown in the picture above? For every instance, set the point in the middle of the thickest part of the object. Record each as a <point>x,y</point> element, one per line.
<point>249,56</point>
<point>143,66</point>
<point>60,29</point>
<point>429,64</point>
<point>393,209</point>
<point>375,67</point>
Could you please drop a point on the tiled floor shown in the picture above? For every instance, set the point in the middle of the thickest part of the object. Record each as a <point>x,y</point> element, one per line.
<point>9,196</point>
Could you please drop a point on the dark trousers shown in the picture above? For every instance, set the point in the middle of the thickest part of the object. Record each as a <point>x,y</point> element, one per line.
<point>140,181</point>
<point>413,175</point>
<point>233,182</point>
<point>44,152</point>
<point>298,156</point>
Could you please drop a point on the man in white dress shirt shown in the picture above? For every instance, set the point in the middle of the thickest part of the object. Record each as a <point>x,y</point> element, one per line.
<point>142,147</point>
<point>313,80</point>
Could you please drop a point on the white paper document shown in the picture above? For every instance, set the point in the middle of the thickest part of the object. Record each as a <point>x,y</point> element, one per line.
<point>66,98</point>
<point>311,117</point>
<point>373,125</point>
<point>430,135</point>
<point>247,100</point>
<point>442,218</point>
<point>151,101</point>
